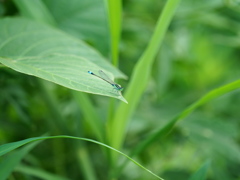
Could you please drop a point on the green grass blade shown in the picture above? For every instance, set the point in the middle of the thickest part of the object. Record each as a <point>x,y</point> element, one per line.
<point>201,172</point>
<point>58,123</point>
<point>115,19</point>
<point>54,56</point>
<point>11,146</point>
<point>39,173</point>
<point>163,131</point>
<point>9,162</point>
<point>140,76</point>
<point>35,10</point>
<point>89,114</point>
<point>85,161</point>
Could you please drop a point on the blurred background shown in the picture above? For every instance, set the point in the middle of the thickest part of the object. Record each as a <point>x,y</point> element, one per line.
<point>200,52</point>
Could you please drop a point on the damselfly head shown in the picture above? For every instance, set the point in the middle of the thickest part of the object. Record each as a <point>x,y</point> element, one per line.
<point>118,87</point>
<point>90,72</point>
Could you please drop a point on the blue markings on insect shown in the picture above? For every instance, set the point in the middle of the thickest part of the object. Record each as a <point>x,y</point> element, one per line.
<point>90,72</point>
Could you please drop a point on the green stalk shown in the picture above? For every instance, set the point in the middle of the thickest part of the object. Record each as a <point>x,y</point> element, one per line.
<point>56,124</point>
<point>89,114</point>
<point>114,8</point>
<point>115,19</point>
<point>85,163</point>
<point>140,77</point>
<point>93,120</point>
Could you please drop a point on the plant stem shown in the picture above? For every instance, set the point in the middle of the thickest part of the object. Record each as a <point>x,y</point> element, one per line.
<point>115,19</point>
<point>140,77</point>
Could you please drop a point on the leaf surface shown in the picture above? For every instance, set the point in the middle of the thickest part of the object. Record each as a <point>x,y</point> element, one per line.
<point>41,51</point>
<point>85,19</point>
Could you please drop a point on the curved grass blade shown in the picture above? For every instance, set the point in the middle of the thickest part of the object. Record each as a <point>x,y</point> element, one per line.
<point>9,162</point>
<point>163,131</point>
<point>11,146</point>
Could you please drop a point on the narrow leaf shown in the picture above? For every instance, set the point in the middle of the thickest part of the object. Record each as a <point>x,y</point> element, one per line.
<point>201,172</point>
<point>163,131</point>
<point>140,77</point>
<point>115,20</point>
<point>39,173</point>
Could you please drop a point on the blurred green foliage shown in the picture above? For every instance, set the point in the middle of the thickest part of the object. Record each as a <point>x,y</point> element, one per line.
<point>200,52</point>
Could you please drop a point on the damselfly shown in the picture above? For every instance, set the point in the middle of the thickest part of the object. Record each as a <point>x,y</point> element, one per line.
<point>104,77</point>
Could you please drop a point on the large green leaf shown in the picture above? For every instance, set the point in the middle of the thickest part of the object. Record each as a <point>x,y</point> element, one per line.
<point>48,53</point>
<point>85,19</point>
<point>35,10</point>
